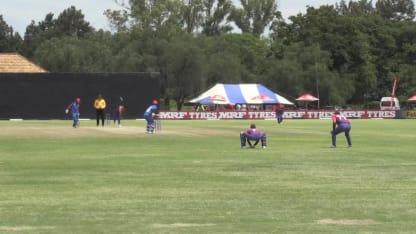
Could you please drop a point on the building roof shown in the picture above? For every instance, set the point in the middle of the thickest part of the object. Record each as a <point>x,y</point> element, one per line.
<point>15,63</point>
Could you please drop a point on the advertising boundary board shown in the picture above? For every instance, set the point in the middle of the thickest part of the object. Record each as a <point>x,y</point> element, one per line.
<point>409,114</point>
<point>298,114</point>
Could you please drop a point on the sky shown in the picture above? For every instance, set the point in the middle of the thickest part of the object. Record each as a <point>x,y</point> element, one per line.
<point>19,13</point>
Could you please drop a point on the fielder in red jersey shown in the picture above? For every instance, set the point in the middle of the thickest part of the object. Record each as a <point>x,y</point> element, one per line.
<point>340,124</point>
<point>253,134</point>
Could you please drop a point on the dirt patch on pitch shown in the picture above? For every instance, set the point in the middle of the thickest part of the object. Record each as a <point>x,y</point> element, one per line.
<point>352,222</point>
<point>182,225</point>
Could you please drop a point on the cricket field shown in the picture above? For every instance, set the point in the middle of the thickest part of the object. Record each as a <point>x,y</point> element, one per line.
<point>192,177</point>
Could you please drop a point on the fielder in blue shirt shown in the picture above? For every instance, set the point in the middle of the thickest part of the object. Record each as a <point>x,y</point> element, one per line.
<point>149,115</point>
<point>74,107</point>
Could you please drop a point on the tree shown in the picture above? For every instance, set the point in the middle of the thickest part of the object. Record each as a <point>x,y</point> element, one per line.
<point>406,85</point>
<point>183,65</point>
<point>10,41</point>
<point>360,46</point>
<point>306,69</point>
<point>118,19</point>
<point>72,22</point>
<point>224,63</point>
<point>192,14</point>
<point>153,17</point>
<point>396,9</point>
<point>215,16</point>
<point>36,33</point>
<point>355,8</point>
<point>128,59</point>
<point>406,42</point>
<point>254,16</point>
<point>72,54</point>
<point>252,53</point>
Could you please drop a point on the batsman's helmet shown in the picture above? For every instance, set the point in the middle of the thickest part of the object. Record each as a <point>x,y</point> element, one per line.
<point>252,126</point>
<point>337,112</point>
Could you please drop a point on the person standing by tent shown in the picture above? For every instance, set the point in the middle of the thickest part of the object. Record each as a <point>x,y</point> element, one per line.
<point>280,109</point>
<point>253,134</point>
<point>340,124</point>
<point>149,115</point>
<point>199,107</point>
<point>99,105</point>
<point>74,107</point>
<point>243,107</point>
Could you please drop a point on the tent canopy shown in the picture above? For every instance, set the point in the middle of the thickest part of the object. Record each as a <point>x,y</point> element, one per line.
<point>240,93</point>
<point>412,98</point>
<point>307,98</point>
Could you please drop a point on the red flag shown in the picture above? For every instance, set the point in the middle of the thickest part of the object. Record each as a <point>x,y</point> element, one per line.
<point>393,92</point>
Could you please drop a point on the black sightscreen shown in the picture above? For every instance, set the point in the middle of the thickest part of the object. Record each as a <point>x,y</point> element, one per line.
<point>46,95</point>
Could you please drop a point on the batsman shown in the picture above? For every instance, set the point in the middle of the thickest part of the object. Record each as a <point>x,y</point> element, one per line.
<point>149,116</point>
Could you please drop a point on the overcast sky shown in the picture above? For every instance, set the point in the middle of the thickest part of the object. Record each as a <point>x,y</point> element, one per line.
<point>19,13</point>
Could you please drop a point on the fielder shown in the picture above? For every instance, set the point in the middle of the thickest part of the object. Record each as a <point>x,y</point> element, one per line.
<point>340,124</point>
<point>149,115</point>
<point>253,134</point>
<point>74,107</point>
<point>280,109</point>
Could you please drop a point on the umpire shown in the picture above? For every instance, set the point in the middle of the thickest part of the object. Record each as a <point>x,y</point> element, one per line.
<point>99,105</point>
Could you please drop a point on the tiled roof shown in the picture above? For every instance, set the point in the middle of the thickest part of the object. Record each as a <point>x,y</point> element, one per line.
<point>15,63</point>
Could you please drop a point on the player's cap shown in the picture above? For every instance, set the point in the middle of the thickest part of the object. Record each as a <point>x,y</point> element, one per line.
<point>155,102</point>
<point>78,100</point>
<point>337,112</point>
<point>252,126</point>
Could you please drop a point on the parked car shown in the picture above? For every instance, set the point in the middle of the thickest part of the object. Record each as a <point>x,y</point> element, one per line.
<point>389,103</point>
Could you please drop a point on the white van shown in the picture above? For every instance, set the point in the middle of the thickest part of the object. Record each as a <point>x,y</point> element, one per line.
<point>386,103</point>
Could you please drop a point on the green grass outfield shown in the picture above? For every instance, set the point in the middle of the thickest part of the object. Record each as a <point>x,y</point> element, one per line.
<point>192,177</point>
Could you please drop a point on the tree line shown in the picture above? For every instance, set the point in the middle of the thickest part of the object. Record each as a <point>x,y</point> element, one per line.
<point>347,53</point>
